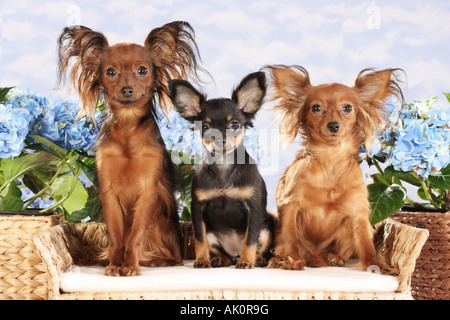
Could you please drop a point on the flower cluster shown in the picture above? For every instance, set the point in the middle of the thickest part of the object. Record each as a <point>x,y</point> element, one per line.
<point>13,130</point>
<point>55,121</point>
<point>420,140</point>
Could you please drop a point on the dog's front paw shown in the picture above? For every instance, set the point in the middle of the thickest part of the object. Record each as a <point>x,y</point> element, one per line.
<point>290,264</point>
<point>244,264</point>
<point>260,262</point>
<point>274,262</point>
<point>112,271</point>
<point>130,271</point>
<point>334,260</point>
<point>286,263</point>
<point>202,264</point>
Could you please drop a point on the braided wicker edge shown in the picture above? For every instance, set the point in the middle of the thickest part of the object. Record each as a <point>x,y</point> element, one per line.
<point>20,265</point>
<point>400,245</point>
<point>397,244</point>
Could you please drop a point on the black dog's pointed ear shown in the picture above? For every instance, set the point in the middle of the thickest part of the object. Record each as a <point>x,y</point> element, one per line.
<point>250,92</point>
<point>185,98</point>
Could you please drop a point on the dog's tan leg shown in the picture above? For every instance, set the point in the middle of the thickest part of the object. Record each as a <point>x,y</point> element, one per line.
<point>202,251</point>
<point>248,255</point>
<point>114,223</point>
<point>287,247</point>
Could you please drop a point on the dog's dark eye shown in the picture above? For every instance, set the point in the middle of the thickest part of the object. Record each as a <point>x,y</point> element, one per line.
<point>111,72</point>
<point>347,108</point>
<point>142,71</point>
<point>205,126</point>
<point>316,108</point>
<point>235,125</point>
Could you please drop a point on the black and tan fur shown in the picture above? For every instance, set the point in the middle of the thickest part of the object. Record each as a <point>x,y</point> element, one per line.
<point>229,195</point>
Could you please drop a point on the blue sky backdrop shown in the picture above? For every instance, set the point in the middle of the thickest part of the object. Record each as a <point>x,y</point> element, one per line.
<point>333,40</point>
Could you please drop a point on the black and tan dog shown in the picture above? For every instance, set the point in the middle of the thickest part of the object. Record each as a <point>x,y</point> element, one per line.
<point>229,197</point>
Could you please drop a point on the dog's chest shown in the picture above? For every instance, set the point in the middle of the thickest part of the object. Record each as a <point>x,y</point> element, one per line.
<point>126,168</point>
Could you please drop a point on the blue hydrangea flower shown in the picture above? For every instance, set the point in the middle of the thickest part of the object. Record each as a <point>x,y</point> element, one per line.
<point>36,105</point>
<point>60,125</point>
<point>13,130</point>
<point>56,121</point>
<point>420,140</point>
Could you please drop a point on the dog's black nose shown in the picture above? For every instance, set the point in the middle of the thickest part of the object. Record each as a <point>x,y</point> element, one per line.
<point>333,126</point>
<point>127,91</point>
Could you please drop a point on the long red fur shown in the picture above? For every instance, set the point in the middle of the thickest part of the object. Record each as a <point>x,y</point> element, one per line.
<point>322,200</point>
<point>134,169</point>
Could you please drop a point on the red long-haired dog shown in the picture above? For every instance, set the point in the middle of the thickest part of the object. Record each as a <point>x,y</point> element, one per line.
<point>135,171</point>
<point>321,198</point>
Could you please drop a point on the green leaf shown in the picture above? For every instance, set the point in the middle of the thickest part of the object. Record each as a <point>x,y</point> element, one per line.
<point>89,167</point>
<point>408,177</point>
<point>442,180</point>
<point>447,95</point>
<point>12,201</point>
<point>78,194</point>
<point>378,177</point>
<point>17,167</point>
<point>421,193</point>
<point>4,92</point>
<point>385,200</point>
<point>93,209</point>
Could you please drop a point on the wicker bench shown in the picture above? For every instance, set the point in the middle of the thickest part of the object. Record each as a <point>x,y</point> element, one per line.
<point>396,244</point>
<point>23,275</point>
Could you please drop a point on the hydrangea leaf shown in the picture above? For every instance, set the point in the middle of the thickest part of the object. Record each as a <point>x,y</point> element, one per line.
<point>442,180</point>
<point>17,167</point>
<point>92,209</point>
<point>12,201</point>
<point>408,177</point>
<point>385,200</point>
<point>447,95</point>
<point>78,194</point>
<point>4,92</point>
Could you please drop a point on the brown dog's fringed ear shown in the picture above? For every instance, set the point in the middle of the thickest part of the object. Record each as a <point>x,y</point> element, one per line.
<point>290,86</point>
<point>175,56</point>
<point>373,89</point>
<point>186,99</point>
<point>87,47</point>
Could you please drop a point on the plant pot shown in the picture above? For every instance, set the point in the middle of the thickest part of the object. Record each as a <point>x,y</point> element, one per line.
<point>22,274</point>
<point>431,278</point>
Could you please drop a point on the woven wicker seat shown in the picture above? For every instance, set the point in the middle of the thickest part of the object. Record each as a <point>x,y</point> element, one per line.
<point>396,244</point>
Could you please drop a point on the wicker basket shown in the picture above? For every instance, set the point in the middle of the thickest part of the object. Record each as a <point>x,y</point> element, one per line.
<point>22,272</point>
<point>396,244</point>
<point>431,278</point>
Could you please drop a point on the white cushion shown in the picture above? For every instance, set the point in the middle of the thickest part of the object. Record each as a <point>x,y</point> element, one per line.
<point>350,278</point>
